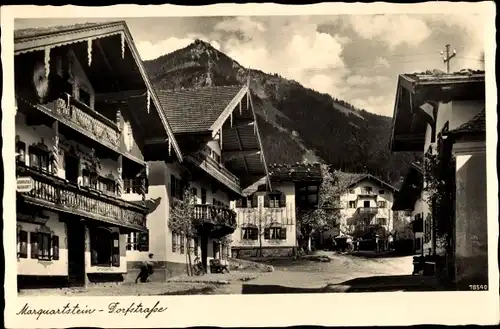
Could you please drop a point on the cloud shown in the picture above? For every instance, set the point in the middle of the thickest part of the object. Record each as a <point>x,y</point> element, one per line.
<point>382,104</point>
<point>382,61</point>
<point>360,80</point>
<point>393,30</point>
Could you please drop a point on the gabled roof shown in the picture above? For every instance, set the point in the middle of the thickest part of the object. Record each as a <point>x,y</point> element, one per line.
<point>298,172</point>
<point>345,179</point>
<point>416,89</point>
<point>196,110</point>
<point>362,177</point>
<point>36,39</point>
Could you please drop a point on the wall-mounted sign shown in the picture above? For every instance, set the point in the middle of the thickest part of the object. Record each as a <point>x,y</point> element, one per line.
<point>24,184</point>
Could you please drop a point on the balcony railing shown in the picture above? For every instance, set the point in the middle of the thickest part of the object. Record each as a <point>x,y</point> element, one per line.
<point>367,194</point>
<point>367,210</point>
<point>217,215</point>
<point>80,117</point>
<point>217,170</point>
<point>60,195</point>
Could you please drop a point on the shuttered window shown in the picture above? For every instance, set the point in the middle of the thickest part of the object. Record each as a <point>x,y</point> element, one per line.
<point>115,256</point>
<point>22,244</point>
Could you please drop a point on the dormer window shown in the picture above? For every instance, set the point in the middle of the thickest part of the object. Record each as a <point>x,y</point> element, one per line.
<point>247,202</point>
<point>368,189</point>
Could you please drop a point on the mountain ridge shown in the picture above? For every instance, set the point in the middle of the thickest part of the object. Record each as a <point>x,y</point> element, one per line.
<point>297,123</point>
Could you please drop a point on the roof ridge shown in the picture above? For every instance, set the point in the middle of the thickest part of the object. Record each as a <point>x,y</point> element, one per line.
<point>197,88</point>
<point>54,29</point>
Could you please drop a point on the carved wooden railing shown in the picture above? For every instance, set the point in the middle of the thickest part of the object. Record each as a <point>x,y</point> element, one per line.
<point>60,195</point>
<point>91,121</point>
<point>218,215</point>
<point>215,169</point>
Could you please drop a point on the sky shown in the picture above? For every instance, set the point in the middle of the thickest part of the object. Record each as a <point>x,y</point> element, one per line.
<point>356,58</point>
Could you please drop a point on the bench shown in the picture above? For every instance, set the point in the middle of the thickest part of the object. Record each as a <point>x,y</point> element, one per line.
<point>216,266</point>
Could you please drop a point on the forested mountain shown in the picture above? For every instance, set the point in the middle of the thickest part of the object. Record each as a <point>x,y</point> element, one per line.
<point>296,123</point>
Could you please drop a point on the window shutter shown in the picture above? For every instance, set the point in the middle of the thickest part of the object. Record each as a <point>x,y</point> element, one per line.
<point>239,203</point>
<point>34,245</point>
<point>55,247</point>
<point>282,200</point>
<point>23,242</point>
<point>266,201</point>
<point>174,242</point>
<point>255,201</point>
<point>267,234</point>
<point>143,241</point>
<point>116,249</point>
<point>283,233</point>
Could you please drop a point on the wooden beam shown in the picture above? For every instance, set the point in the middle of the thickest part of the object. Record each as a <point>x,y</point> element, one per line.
<point>158,140</point>
<point>120,96</point>
<point>241,148</point>
<point>230,155</point>
<point>227,111</point>
<point>241,123</point>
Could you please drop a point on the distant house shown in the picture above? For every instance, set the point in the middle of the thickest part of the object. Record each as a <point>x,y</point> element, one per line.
<point>408,201</point>
<point>443,115</point>
<point>79,152</point>
<point>365,208</point>
<point>268,218</point>
<point>217,131</point>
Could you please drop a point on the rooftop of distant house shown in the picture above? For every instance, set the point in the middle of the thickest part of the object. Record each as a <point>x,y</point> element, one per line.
<point>298,172</point>
<point>475,125</point>
<point>348,180</point>
<point>195,110</point>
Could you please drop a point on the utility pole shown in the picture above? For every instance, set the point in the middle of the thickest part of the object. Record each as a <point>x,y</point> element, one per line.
<point>448,57</point>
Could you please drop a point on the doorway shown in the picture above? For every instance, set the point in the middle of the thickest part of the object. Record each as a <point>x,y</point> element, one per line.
<point>366,204</point>
<point>76,252</point>
<point>71,167</point>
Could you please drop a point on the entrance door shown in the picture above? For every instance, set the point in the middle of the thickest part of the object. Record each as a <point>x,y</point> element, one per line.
<point>366,204</point>
<point>76,252</point>
<point>71,165</point>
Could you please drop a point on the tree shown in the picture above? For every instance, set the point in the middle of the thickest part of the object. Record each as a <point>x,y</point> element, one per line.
<point>326,215</point>
<point>183,221</point>
<point>263,220</point>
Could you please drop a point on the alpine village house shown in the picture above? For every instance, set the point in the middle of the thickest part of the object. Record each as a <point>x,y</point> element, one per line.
<point>443,116</point>
<point>266,219</point>
<point>80,153</point>
<point>217,130</point>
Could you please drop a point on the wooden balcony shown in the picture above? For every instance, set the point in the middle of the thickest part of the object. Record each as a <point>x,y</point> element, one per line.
<point>367,194</point>
<point>367,211</point>
<point>219,221</point>
<point>216,170</point>
<point>58,194</point>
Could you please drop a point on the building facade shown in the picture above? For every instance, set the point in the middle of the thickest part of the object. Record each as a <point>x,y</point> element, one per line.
<point>218,133</point>
<point>443,116</point>
<point>77,155</point>
<point>267,219</point>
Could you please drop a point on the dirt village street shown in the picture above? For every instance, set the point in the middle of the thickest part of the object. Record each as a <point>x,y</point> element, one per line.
<point>332,273</point>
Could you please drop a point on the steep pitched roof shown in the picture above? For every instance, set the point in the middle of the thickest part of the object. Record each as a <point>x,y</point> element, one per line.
<point>357,178</point>
<point>345,179</point>
<point>40,31</point>
<point>476,125</point>
<point>298,172</point>
<point>195,110</point>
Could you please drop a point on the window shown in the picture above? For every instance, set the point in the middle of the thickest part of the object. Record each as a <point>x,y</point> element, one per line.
<point>382,221</point>
<point>275,233</point>
<point>367,189</point>
<point>274,200</point>
<point>249,202</point>
<point>194,191</point>
<point>352,204</point>
<point>132,185</point>
<point>39,159</point>
<point>381,192</point>
<point>175,188</point>
<point>307,196</point>
<point>41,246</point>
<point>89,179</point>
<point>132,239</point>
<point>381,204</point>
<point>427,230</point>
<point>22,244</point>
<point>174,242</point>
<point>104,246</point>
<point>84,97</point>
<point>351,191</point>
<point>366,204</point>
<point>203,196</point>
<point>21,151</point>
<point>249,233</point>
